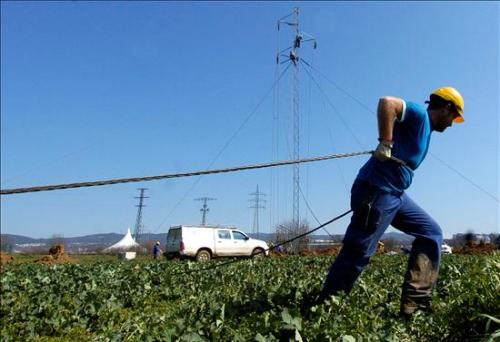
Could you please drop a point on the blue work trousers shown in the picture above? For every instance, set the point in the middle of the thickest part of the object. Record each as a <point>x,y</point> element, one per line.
<point>373,211</point>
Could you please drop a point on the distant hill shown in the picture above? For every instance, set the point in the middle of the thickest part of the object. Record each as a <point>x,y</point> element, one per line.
<point>94,238</point>
<point>79,244</point>
<point>86,242</point>
<point>401,238</point>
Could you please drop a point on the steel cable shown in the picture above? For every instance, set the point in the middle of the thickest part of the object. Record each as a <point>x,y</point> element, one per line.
<point>175,175</point>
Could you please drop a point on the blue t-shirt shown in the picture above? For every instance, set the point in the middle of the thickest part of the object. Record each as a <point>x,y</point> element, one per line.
<point>411,137</point>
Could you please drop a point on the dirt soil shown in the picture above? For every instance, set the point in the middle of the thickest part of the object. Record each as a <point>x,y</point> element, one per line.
<point>332,251</point>
<point>474,248</point>
<point>5,259</point>
<point>56,250</point>
<point>56,256</point>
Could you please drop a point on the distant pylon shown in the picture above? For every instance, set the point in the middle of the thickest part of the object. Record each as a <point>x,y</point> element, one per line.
<point>257,201</point>
<point>139,228</point>
<point>205,208</point>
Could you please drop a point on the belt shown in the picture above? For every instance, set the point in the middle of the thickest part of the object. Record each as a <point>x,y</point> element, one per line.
<point>365,183</point>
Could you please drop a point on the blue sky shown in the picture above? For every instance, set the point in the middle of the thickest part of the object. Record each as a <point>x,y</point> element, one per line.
<point>103,90</point>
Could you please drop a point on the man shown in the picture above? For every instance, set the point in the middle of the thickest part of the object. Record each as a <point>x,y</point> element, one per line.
<point>378,198</point>
<point>157,250</point>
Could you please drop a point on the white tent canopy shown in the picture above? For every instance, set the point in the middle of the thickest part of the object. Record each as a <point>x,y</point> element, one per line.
<point>126,243</point>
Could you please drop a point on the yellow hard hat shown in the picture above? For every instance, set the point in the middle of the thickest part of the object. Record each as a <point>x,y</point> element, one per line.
<point>157,242</point>
<point>452,95</point>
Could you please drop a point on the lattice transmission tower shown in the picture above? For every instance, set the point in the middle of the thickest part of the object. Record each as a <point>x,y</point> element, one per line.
<point>139,227</point>
<point>300,37</point>
<point>258,203</point>
<point>204,209</point>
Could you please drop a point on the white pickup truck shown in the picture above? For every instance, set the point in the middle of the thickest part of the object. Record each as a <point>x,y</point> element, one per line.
<point>205,243</point>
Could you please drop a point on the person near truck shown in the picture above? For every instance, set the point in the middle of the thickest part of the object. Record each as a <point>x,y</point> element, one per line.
<point>156,250</point>
<point>378,198</point>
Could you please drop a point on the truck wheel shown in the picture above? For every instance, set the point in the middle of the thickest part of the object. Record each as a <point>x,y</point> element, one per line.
<point>258,253</point>
<point>203,256</point>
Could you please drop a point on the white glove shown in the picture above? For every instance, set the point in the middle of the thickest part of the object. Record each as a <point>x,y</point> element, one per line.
<point>383,150</point>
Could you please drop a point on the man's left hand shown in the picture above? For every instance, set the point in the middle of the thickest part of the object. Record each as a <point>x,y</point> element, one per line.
<point>383,151</point>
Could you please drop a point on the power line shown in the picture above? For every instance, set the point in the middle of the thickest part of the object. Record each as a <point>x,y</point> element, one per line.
<point>249,116</point>
<point>332,105</point>
<point>329,130</point>
<point>50,162</point>
<point>312,212</point>
<point>358,101</point>
<point>465,178</point>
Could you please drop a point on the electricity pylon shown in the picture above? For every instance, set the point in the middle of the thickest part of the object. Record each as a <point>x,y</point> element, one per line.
<point>257,204</point>
<point>293,56</point>
<point>205,208</point>
<point>139,228</point>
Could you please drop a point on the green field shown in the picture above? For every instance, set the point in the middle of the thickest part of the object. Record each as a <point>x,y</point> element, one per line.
<point>248,300</point>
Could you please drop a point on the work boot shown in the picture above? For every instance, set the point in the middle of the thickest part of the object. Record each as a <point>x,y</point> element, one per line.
<point>409,307</point>
<point>420,279</point>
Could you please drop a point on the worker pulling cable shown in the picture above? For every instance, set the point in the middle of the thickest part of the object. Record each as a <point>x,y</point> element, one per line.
<point>378,198</point>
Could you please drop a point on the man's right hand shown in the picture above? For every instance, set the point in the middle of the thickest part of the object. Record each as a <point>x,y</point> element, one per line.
<point>383,151</point>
